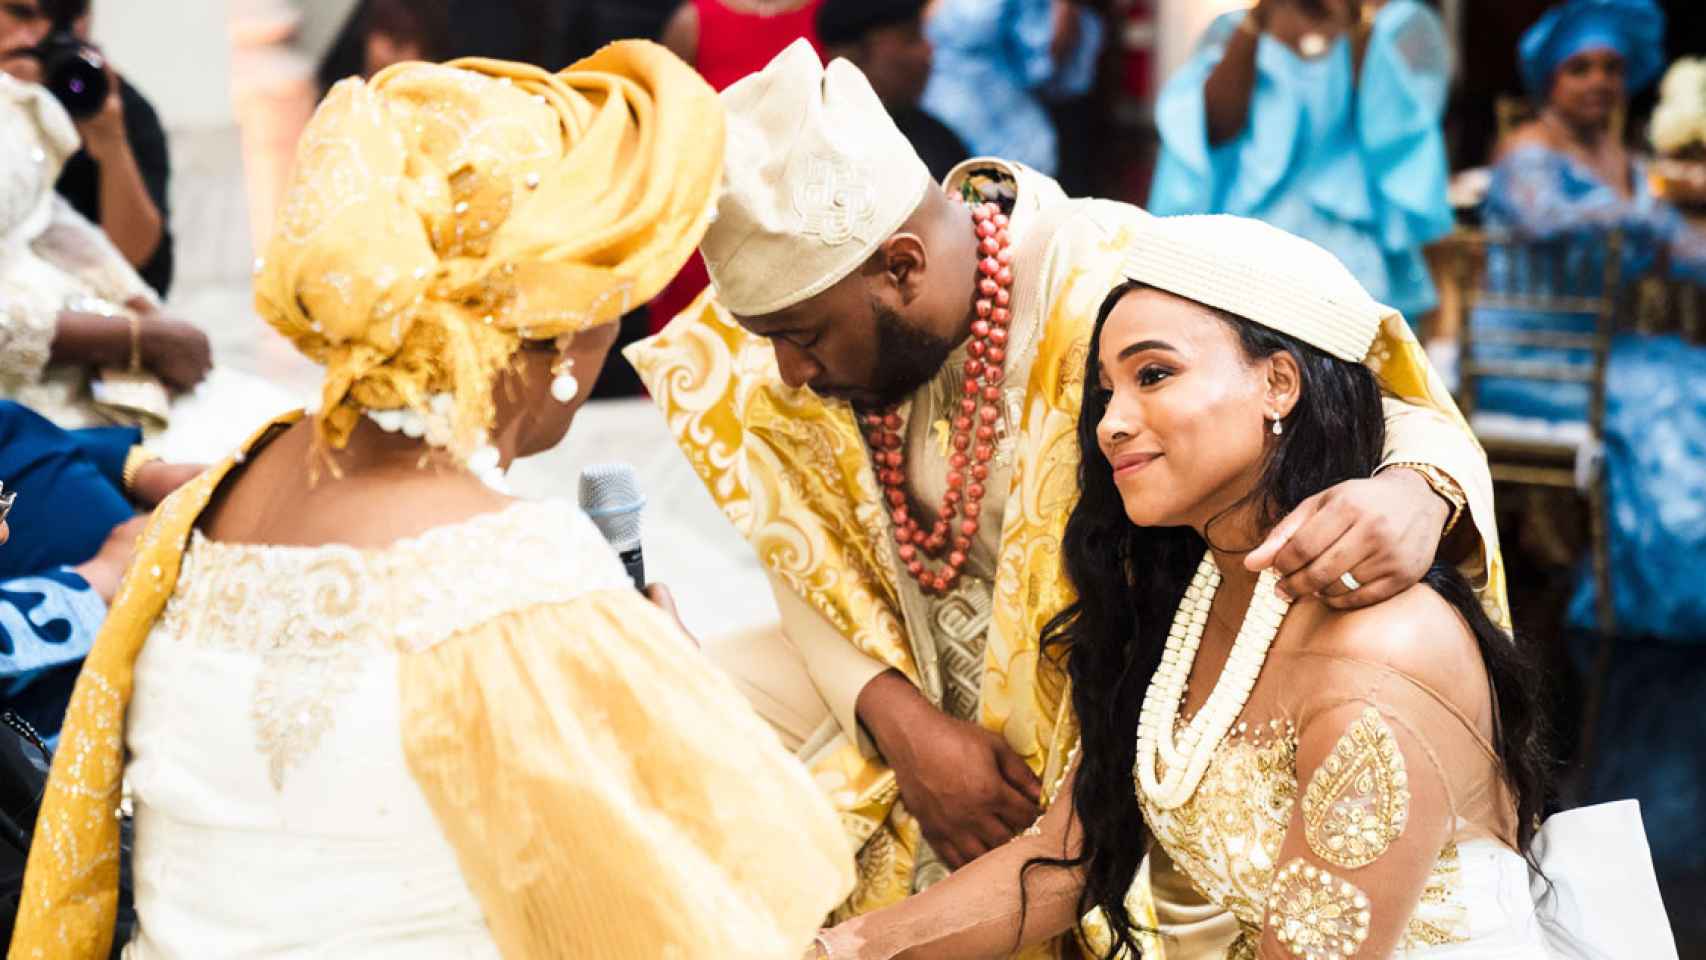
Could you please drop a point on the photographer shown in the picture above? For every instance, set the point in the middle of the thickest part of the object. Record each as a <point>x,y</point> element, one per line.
<point>119,179</point>
<point>73,314</point>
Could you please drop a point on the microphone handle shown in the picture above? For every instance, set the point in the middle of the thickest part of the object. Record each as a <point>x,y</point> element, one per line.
<point>635,563</point>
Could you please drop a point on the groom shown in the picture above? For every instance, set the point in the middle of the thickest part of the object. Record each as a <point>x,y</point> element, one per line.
<point>858,306</point>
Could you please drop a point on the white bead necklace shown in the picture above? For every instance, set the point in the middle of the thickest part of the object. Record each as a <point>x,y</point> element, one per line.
<point>435,430</point>
<point>1187,758</point>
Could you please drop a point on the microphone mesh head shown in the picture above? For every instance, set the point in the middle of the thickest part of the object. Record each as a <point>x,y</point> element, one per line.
<point>610,495</point>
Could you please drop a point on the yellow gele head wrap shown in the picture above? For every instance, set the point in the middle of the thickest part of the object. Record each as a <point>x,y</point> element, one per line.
<point>440,215</point>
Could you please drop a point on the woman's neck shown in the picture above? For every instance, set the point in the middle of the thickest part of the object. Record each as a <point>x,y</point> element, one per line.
<point>1591,137</point>
<point>1235,580</point>
<point>1593,145</point>
<point>373,451</point>
<point>1231,535</point>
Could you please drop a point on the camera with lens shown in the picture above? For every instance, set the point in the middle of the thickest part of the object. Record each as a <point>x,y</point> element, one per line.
<point>73,71</point>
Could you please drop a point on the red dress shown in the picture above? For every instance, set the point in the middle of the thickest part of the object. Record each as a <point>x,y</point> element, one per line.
<point>731,45</point>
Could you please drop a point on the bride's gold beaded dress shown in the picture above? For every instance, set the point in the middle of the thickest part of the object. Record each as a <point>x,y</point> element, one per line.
<point>1323,852</point>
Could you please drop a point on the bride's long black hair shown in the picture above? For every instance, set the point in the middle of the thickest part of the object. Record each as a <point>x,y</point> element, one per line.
<point>1129,580</point>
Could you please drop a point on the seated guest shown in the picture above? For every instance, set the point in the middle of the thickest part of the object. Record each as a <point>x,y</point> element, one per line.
<point>885,39</point>
<point>379,33</point>
<point>75,528</point>
<point>70,304</point>
<point>121,176</point>
<point>1565,179</point>
<point>73,487</point>
<point>1321,117</point>
<point>371,689</point>
<point>71,301</point>
<point>399,32</point>
<point>48,622</point>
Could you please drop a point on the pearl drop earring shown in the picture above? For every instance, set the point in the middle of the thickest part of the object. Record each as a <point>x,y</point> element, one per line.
<point>1278,429</point>
<point>564,386</point>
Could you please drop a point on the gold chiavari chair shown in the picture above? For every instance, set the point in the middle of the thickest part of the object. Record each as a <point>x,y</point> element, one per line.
<point>1549,279</point>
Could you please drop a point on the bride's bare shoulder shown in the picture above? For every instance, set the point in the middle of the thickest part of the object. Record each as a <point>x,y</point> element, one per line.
<point>1416,633</point>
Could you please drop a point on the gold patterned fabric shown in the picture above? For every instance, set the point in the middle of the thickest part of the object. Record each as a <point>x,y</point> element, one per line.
<point>70,898</point>
<point>791,471</point>
<point>439,215</point>
<point>1330,820</point>
<point>793,474</point>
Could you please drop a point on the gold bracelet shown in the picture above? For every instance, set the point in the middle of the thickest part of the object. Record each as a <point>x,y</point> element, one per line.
<point>138,457</point>
<point>135,343</point>
<point>1443,485</point>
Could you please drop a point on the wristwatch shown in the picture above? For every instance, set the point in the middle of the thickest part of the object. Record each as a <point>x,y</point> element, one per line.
<point>1443,485</point>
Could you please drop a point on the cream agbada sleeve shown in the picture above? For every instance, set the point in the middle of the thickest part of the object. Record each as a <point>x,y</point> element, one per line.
<point>838,670</point>
<point>1419,434</point>
<point>610,794</point>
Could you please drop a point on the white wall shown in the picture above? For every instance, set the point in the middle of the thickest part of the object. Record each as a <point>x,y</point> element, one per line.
<point>178,52</point>
<point>320,22</point>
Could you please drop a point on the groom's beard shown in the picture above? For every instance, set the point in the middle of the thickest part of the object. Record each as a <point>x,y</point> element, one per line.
<point>907,358</point>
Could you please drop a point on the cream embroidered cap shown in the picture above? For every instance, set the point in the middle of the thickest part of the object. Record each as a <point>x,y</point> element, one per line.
<point>1263,274</point>
<point>815,177</point>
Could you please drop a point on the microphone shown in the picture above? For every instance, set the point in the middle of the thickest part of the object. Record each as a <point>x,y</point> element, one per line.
<point>610,495</point>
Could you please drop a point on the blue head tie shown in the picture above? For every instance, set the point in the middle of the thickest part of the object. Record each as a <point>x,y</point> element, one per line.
<point>1634,29</point>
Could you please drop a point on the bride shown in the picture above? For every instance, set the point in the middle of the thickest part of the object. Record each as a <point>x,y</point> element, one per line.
<point>1361,783</point>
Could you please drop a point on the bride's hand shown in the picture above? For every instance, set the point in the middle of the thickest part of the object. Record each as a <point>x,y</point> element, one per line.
<point>838,943</point>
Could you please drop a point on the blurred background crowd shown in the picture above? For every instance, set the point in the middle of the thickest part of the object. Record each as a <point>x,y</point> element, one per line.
<point>1525,179</point>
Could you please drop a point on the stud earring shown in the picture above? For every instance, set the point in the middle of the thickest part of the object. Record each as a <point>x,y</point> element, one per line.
<point>564,386</point>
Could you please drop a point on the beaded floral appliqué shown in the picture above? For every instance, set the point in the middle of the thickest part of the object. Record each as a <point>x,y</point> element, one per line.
<point>1358,801</point>
<point>1317,915</point>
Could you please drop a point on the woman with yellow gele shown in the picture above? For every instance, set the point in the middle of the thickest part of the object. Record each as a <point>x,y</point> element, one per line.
<point>366,703</point>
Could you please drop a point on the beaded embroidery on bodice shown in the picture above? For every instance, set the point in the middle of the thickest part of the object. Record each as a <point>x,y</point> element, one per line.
<point>316,617</point>
<point>403,598</point>
<point>1227,837</point>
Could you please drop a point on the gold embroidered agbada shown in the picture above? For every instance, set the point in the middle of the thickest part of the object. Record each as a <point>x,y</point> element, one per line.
<point>545,765</point>
<point>792,472</point>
